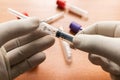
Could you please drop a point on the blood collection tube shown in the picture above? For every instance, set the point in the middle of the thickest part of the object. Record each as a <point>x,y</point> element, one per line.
<point>43,26</point>
<point>64,5</point>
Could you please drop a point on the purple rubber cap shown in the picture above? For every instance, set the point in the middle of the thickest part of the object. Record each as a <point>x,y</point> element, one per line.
<point>75,27</point>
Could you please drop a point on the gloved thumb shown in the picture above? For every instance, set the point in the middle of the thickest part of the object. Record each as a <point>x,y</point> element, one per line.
<point>101,45</point>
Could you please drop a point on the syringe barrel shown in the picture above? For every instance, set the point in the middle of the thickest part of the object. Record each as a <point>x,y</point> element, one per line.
<point>54,31</point>
<point>64,35</point>
<point>47,28</point>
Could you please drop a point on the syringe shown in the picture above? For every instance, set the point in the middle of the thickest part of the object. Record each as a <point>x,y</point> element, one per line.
<point>43,26</point>
<point>55,31</point>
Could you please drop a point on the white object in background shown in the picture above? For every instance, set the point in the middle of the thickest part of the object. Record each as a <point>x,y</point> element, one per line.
<point>77,10</point>
<point>66,49</point>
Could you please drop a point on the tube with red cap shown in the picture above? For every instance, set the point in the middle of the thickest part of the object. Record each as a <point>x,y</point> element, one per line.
<point>63,5</point>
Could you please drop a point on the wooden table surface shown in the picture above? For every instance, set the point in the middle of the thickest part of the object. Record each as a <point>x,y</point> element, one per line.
<point>55,67</point>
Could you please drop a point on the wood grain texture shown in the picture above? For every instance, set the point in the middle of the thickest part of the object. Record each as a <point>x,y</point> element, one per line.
<point>54,67</point>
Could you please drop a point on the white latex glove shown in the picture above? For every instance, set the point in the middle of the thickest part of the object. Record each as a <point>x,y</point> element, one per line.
<point>23,42</point>
<point>102,41</point>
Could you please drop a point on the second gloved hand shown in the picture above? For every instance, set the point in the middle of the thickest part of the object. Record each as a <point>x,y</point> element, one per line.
<point>102,41</point>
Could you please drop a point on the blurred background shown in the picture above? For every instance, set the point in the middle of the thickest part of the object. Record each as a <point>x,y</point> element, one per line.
<point>55,67</point>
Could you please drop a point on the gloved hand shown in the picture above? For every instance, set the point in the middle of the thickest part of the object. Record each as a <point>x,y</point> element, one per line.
<point>102,41</point>
<point>23,42</point>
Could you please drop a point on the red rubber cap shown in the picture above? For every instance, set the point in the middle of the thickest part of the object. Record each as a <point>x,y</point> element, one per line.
<point>61,4</point>
<point>26,14</point>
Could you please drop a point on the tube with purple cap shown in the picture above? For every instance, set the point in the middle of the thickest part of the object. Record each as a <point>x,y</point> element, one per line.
<point>75,27</point>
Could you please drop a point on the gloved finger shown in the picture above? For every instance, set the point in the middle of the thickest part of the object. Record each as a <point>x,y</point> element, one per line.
<point>16,28</point>
<point>20,41</point>
<point>113,68</point>
<point>115,77</point>
<point>98,60</point>
<point>20,54</point>
<point>100,45</point>
<point>106,28</point>
<point>27,64</point>
<point>106,64</point>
